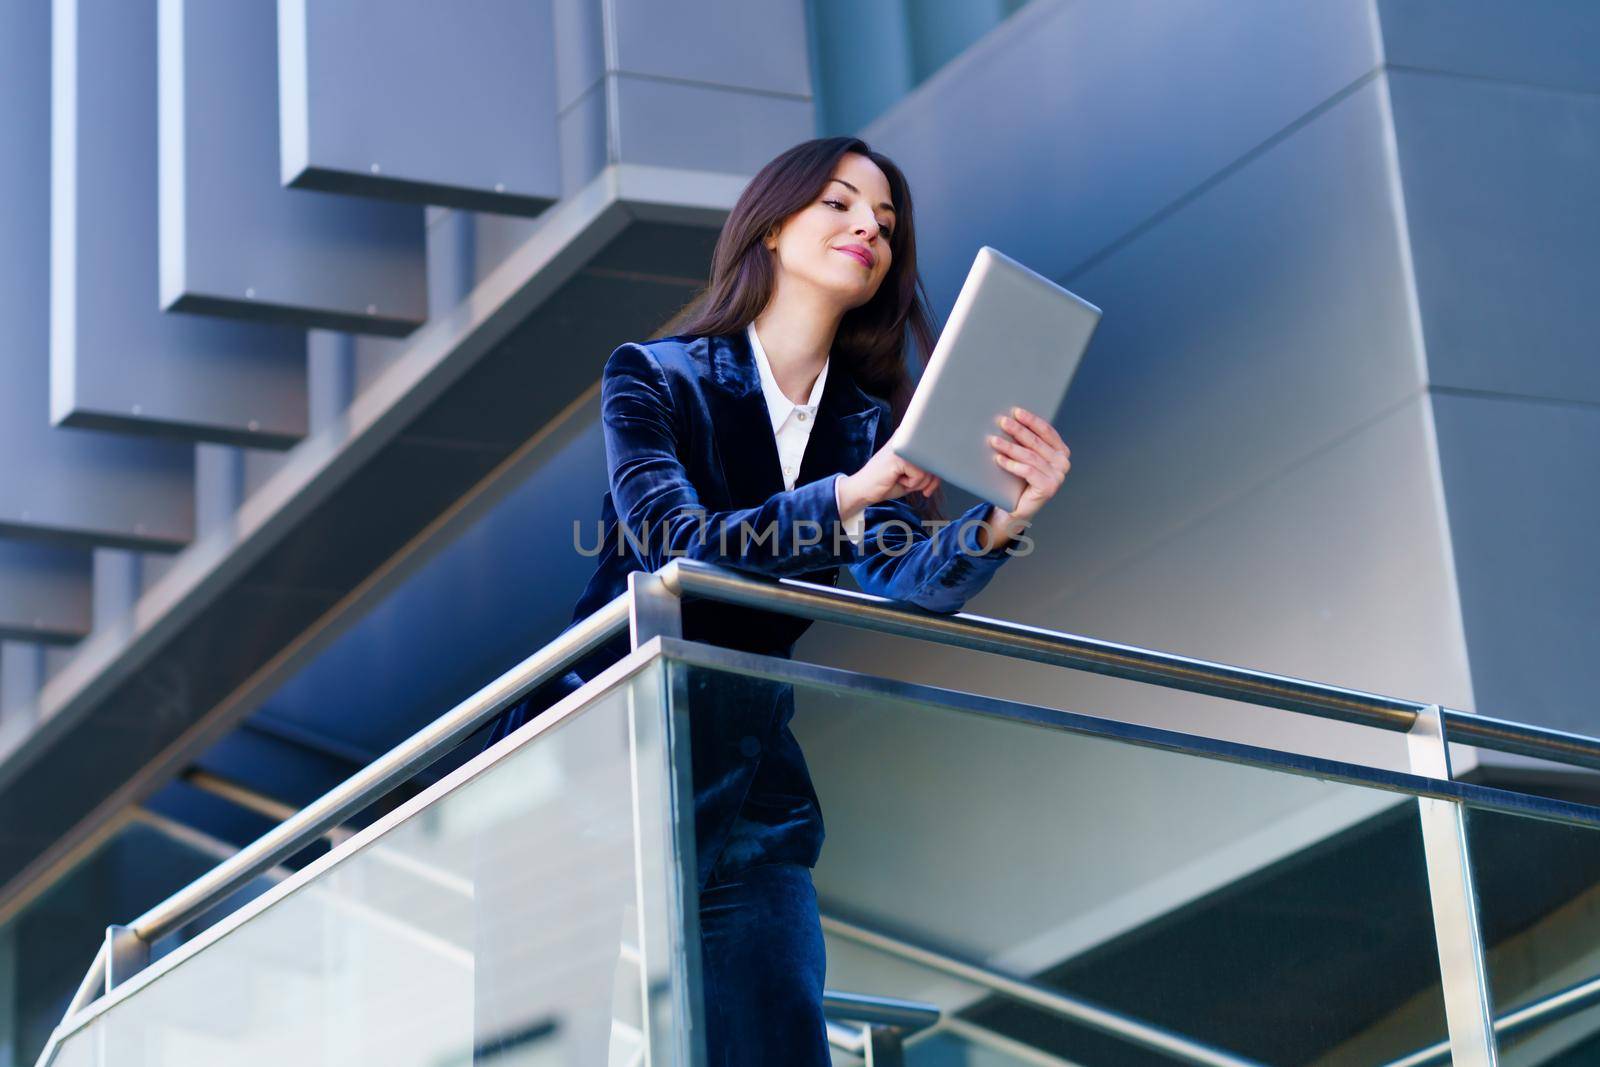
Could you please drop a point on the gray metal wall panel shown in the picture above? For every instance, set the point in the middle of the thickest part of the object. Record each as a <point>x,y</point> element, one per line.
<point>396,100</point>
<point>1251,477</point>
<point>1519,478</point>
<point>1077,122</point>
<point>154,567</point>
<point>464,248</point>
<point>84,486</point>
<point>332,368</point>
<point>260,468</point>
<point>699,127</point>
<point>118,584</point>
<point>373,358</point>
<point>580,48</point>
<point>1259,322</point>
<point>1540,42</point>
<point>116,360</point>
<point>218,489</point>
<point>22,672</point>
<point>1501,192</point>
<point>715,85</point>
<point>44,592</point>
<point>584,139</point>
<point>750,44</point>
<point>452,259</point>
<point>233,240</point>
<point>865,61</point>
<point>72,483</point>
<point>935,41</point>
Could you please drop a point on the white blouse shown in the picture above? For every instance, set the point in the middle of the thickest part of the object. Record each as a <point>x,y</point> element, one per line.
<point>791,425</point>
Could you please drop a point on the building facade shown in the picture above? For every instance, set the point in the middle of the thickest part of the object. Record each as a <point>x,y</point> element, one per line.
<point>304,308</point>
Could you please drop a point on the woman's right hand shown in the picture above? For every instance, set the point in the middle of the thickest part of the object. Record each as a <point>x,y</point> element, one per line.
<point>883,477</point>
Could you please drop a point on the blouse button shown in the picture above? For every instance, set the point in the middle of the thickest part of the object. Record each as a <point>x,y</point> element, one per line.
<point>802,416</point>
<point>749,747</point>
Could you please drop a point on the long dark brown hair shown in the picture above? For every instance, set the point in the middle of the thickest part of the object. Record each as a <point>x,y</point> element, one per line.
<point>871,339</point>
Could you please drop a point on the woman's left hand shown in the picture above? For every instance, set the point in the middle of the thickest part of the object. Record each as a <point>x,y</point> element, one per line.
<point>1034,452</point>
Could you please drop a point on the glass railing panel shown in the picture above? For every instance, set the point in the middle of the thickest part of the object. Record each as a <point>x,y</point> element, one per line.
<point>1538,885</point>
<point>517,913</point>
<point>1274,915</point>
<point>45,946</point>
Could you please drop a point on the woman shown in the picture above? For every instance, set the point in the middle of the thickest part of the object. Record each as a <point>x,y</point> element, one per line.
<point>755,438</point>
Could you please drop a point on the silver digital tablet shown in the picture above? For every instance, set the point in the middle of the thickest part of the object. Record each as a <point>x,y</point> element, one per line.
<point>1014,339</point>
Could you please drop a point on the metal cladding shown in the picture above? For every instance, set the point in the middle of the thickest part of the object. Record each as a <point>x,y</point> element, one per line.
<point>44,592</point>
<point>319,462</point>
<point>1357,243</point>
<point>117,361</point>
<point>1497,137</point>
<point>235,242</point>
<point>72,485</point>
<point>373,92</point>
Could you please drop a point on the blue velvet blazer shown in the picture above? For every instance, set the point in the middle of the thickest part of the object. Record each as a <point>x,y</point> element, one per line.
<point>694,472</point>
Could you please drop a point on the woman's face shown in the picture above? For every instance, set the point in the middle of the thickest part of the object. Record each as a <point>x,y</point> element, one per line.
<point>839,243</point>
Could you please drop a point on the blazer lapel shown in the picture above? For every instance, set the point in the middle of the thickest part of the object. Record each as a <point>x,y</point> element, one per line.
<point>841,439</point>
<point>847,419</point>
<point>743,429</point>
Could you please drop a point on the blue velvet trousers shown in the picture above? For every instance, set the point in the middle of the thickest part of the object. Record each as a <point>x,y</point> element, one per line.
<point>762,962</point>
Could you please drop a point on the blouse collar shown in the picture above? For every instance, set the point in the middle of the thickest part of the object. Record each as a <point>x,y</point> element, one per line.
<point>779,406</point>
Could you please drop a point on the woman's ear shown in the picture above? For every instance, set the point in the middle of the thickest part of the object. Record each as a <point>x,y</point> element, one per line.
<point>771,239</point>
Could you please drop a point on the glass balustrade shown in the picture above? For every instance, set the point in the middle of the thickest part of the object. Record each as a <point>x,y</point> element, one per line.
<point>515,914</point>
<point>1066,889</point>
<point>139,865</point>
<point>1279,917</point>
<point>1539,897</point>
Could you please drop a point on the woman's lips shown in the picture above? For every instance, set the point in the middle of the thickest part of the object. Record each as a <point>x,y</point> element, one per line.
<point>857,255</point>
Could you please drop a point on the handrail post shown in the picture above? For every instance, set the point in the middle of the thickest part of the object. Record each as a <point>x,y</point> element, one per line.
<point>654,609</point>
<point>885,1047</point>
<point>126,955</point>
<point>1463,974</point>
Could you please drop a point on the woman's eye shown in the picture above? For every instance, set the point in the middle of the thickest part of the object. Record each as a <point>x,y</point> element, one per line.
<point>885,230</point>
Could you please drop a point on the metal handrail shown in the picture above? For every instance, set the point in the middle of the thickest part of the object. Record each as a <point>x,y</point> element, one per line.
<point>820,603</point>
<point>909,1015</point>
<point>361,789</point>
<point>382,774</point>
<point>1020,641</point>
